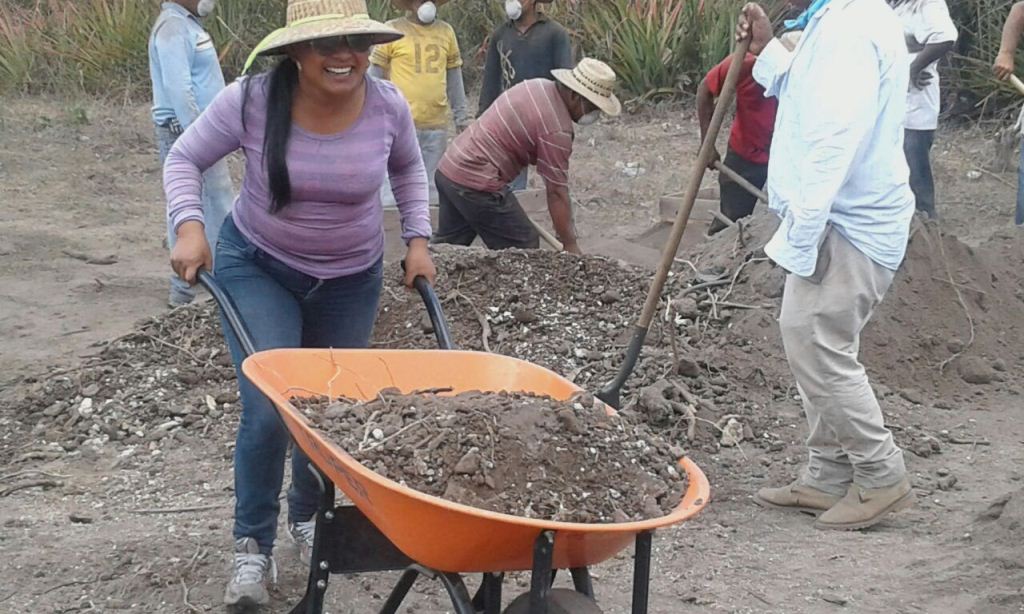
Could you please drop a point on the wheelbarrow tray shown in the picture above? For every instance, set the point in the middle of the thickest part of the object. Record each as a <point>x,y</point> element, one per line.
<point>440,534</point>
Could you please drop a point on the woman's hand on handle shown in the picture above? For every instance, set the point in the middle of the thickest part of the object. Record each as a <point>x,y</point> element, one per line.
<point>191,252</point>
<point>754,24</point>
<point>418,262</point>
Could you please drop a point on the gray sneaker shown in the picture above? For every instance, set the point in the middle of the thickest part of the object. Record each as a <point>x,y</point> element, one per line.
<point>248,586</point>
<point>302,535</point>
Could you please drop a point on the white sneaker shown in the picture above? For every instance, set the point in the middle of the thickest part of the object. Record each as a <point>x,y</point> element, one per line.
<point>302,535</point>
<point>248,585</point>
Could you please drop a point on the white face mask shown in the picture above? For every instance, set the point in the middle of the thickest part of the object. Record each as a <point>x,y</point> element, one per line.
<point>589,118</point>
<point>427,12</point>
<point>514,9</point>
<point>206,7</point>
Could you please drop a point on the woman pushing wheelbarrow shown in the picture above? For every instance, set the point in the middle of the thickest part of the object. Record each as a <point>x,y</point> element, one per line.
<point>302,253</point>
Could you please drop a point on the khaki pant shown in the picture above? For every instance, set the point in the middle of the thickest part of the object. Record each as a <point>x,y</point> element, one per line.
<point>821,325</point>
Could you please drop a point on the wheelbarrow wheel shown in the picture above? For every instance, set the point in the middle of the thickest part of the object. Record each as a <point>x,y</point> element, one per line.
<point>560,601</point>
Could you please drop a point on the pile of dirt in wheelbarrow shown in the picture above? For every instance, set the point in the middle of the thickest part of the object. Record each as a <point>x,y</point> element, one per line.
<point>511,452</point>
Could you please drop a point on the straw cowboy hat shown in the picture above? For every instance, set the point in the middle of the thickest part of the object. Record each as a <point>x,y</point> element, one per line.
<point>406,5</point>
<point>312,19</point>
<point>595,81</point>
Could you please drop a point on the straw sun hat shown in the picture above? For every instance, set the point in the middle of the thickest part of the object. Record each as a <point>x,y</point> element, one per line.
<point>595,81</point>
<point>312,19</point>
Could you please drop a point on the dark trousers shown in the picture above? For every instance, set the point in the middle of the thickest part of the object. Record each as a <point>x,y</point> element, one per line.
<point>496,217</point>
<point>283,308</point>
<point>735,201</point>
<point>917,145</point>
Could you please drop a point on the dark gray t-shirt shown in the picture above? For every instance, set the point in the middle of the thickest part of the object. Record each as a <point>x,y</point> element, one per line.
<point>513,56</point>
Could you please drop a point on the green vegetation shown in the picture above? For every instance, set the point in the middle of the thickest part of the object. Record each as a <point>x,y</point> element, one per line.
<point>660,48</point>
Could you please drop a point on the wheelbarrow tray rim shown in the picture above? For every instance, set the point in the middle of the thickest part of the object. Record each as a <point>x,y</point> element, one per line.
<point>695,497</point>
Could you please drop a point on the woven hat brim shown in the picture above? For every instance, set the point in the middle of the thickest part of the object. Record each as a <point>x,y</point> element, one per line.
<point>609,105</point>
<point>277,40</point>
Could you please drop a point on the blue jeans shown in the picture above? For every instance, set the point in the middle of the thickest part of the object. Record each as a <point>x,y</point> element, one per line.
<point>432,146</point>
<point>218,197</point>
<point>1020,189</point>
<point>283,308</point>
<point>917,146</point>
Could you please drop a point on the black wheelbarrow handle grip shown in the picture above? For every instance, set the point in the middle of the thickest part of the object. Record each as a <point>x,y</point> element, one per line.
<point>434,310</point>
<point>227,307</point>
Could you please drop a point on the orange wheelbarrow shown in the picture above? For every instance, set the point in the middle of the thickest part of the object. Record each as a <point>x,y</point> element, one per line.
<point>391,527</point>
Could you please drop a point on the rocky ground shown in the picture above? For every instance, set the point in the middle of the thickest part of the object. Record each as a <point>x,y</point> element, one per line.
<point>115,469</point>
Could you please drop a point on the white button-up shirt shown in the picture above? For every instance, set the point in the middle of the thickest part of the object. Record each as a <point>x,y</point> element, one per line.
<point>837,154</point>
<point>925,22</point>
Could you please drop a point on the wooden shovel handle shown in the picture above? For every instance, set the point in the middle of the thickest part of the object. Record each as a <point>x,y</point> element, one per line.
<point>707,151</point>
<point>1017,84</point>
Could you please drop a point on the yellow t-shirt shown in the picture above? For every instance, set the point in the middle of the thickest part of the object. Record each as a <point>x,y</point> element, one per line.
<point>418,65</point>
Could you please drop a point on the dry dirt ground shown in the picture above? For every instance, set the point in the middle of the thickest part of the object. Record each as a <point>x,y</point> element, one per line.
<point>107,529</point>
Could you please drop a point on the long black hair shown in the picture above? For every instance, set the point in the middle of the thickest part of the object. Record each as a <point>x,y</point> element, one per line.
<point>281,84</point>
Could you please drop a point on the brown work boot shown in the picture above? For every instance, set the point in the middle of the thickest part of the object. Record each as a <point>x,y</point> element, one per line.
<point>797,497</point>
<point>864,507</point>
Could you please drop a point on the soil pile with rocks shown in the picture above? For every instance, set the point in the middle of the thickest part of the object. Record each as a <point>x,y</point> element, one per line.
<point>711,372</point>
<point>170,377</point>
<point>575,316</point>
<point>511,452</point>
<point>949,323</point>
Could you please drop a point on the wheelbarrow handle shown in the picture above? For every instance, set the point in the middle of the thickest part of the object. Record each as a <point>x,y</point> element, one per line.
<point>230,311</point>
<point>434,311</point>
<point>227,307</point>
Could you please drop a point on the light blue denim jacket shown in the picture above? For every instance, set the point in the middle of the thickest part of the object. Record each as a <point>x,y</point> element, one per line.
<point>183,65</point>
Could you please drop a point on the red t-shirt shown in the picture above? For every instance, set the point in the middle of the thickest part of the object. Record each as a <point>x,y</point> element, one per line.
<point>751,136</point>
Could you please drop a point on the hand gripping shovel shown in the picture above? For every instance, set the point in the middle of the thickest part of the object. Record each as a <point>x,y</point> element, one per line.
<point>611,393</point>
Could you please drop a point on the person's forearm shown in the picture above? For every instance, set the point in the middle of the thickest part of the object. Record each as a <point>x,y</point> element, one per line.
<point>705,109</point>
<point>1013,29</point>
<point>931,53</point>
<point>457,97</point>
<point>560,209</point>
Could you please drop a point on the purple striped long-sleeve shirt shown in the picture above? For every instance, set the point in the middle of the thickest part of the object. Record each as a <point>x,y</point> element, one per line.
<point>333,225</point>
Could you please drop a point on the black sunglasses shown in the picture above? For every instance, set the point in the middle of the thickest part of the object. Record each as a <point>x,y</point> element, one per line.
<point>359,43</point>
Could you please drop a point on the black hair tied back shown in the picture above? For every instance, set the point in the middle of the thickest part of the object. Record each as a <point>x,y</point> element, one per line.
<point>281,84</point>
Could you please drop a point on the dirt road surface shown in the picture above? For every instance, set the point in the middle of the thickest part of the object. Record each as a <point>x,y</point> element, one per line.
<point>147,528</point>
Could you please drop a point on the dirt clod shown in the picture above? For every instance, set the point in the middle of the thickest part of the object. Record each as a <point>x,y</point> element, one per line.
<point>974,370</point>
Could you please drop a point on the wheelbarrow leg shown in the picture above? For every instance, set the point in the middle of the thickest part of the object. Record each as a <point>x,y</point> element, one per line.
<point>401,590</point>
<point>641,572</point>
<point>452,583</point>
<point>540,579</point>
<point>581,581</point>
<point>319,569</point>
<point>488,596</point>
<point>458,593</point>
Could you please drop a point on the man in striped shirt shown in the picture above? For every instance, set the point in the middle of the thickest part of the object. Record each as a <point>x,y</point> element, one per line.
<point>531,123</point>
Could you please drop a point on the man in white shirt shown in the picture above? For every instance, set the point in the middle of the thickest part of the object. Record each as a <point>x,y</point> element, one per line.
<point>838,179</point>
<point>930,35</point>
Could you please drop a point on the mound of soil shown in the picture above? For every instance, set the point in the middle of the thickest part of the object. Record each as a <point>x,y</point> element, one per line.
<point>171,376</point>
<point>511,452</point>
<point>951,316</point>
<point>711,371</point>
